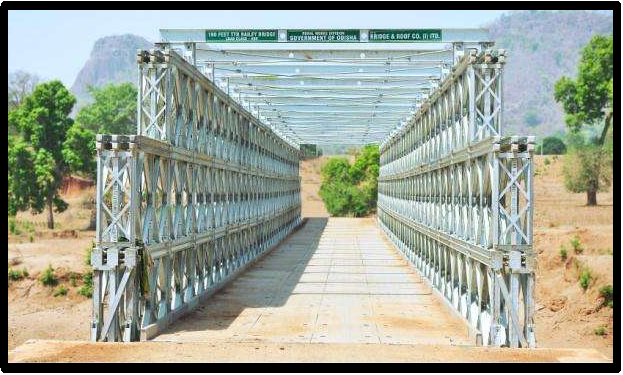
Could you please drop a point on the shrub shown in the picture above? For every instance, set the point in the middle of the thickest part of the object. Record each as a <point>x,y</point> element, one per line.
<point>552,146</point>
<point>585,278</point>
<point>61,291</point>
<point>31,238</point>
<point>48,278</point>
<point>87,288</point>
<point>607,293</point>
<point>601,331</point>
<point>87,256</point>
<point>15,275</point>
<point>532,118</point>
<point>563,252</point>
<point>577,246</point>
<point>13,229</point>
<point>546,161</point>
<point>28,227</point>
<point>73,277</point>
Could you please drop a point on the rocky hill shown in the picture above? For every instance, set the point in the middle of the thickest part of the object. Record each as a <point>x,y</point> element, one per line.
<point>112,60</point>
<point>542,46</point>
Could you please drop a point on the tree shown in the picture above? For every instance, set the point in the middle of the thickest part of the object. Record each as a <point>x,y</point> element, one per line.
<point>587,101</point>
<point>113,110</point>
<point>37,163</point>
<point>552,146</point>
<point>79,152</point>
<point>21,178</point>
<point>351,189</point>
<point>21,84</point>
<point>587,168</point>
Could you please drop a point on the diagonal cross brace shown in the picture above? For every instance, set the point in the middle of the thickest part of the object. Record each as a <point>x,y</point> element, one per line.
<point>513,313</point>
<point>115,304</point>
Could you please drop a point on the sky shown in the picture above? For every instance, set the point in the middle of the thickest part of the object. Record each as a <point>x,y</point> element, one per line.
<point>55,44</point>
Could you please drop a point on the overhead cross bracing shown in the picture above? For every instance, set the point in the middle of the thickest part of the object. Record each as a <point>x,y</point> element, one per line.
<point>326,86</point>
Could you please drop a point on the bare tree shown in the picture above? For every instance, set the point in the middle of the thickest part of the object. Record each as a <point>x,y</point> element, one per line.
<point>21,84</point>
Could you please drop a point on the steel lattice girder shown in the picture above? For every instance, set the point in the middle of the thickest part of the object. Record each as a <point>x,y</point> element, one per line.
<point>456,199</point>
<point>187,204</point>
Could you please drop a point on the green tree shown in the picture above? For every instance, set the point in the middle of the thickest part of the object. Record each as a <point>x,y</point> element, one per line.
<point>552,146</point>
<point>587,101</point>
<point>351,190</point>
<point>22,187</point>
<point>587,168</point>
<point>113,110</point>
<point>50,146</point>
<point>79,151</point>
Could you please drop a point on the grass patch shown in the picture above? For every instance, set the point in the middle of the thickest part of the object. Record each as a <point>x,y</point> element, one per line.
<point>585,278</point>
<point>577,245</point>
<point>607,251</point>
<point>73,279</point>
<point>546,161</point>
<point>563,252</point>
<point>607,293</point>
<point>61,291</point>
<point>15,275</point>
<point>48,278</point>
<point>87,288</point>
<point>601,331</point>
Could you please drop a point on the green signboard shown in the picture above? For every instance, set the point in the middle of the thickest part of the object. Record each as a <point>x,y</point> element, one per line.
<point>407,35</point>
<point>253,36</point>
<point>323,36</point>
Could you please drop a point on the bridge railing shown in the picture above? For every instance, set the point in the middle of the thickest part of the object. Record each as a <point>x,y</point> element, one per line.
<point>198,194</point>
<point>456,199</point>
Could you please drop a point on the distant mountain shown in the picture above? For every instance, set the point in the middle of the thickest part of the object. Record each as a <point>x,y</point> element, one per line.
<point>542,46</point>
<point>112,60</point>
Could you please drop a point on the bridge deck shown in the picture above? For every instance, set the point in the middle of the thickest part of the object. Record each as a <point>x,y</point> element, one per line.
<point>336,280</point>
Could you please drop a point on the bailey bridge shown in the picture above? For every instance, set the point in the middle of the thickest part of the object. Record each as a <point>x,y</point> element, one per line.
<point>199,213</point>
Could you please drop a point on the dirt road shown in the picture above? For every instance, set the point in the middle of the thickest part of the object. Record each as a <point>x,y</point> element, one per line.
<point>68,351</point>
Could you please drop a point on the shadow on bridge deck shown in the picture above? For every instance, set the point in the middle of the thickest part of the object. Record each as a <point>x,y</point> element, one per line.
<point>335,280</point>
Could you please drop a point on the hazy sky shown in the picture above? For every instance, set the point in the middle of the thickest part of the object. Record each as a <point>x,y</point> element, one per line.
<point>57,43</point>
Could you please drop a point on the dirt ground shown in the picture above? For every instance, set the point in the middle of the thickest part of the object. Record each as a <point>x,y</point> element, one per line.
<point>566,316</point>
<point>33,310</point>
<point>68,351</point>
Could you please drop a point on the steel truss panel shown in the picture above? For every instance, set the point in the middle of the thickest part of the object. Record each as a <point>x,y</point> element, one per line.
<point>455,197</point>
<point>201,192</point>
